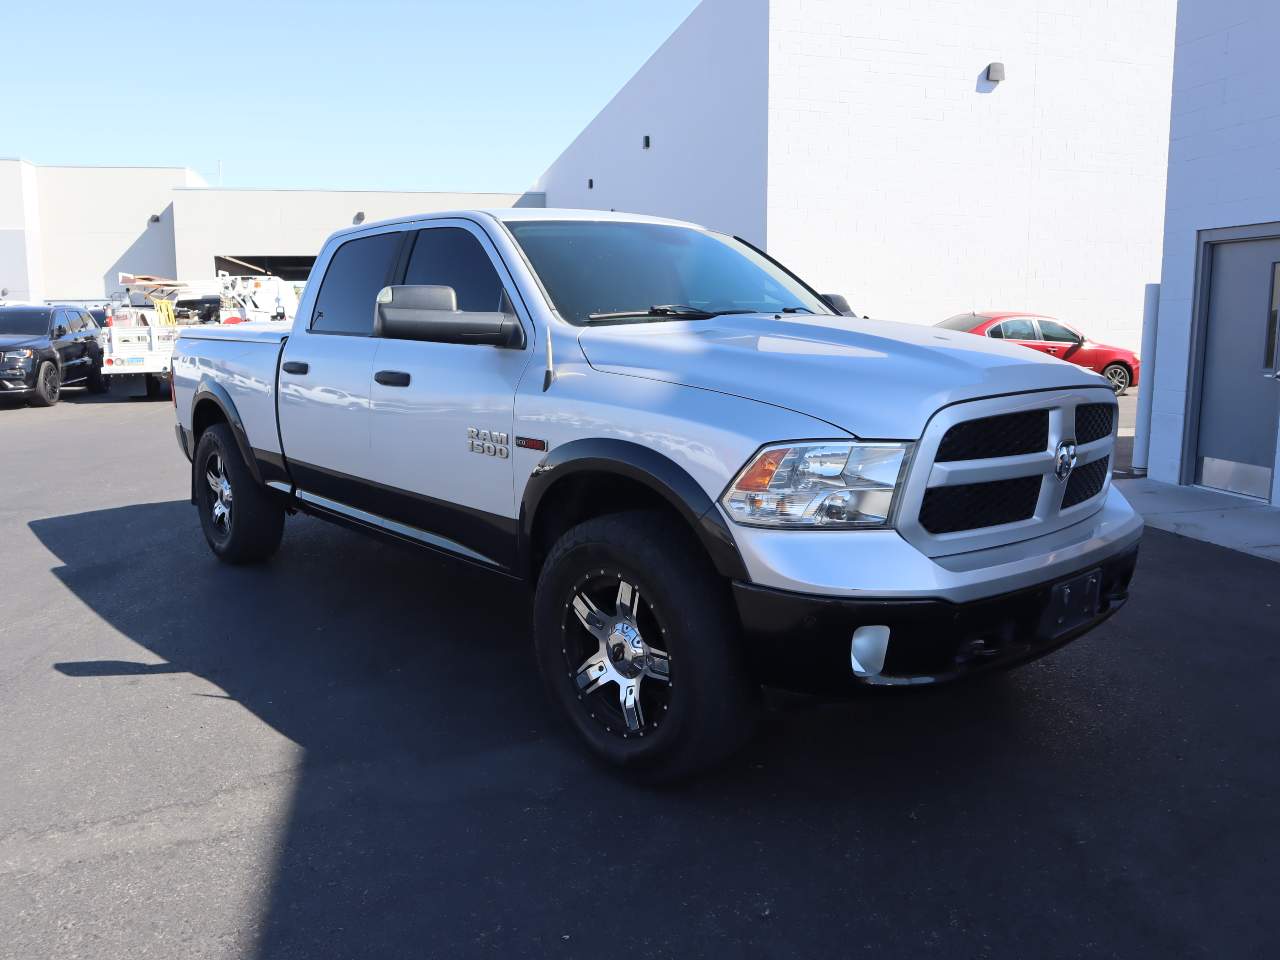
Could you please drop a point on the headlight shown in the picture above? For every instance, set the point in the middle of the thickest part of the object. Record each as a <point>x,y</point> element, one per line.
<point>16,355</point>
<point>828,485</point>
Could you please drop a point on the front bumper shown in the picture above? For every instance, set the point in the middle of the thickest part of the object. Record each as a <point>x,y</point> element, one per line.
<point>805,642</point>
<point>17,380</point>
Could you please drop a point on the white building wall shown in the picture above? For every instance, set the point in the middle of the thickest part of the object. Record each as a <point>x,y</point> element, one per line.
<point>1224,171</point>
<point>21,256</point>
<point>96,222</point>
<point>701,98</point>
<point>899,177</point>
<point>210,222</point>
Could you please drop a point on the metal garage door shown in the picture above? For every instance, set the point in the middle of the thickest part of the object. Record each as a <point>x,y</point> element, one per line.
<point>1240,395</point>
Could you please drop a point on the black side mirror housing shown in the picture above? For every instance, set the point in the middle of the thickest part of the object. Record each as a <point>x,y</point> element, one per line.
<point>839,304</point>
<point>59,331</point>
<point>430,313</point>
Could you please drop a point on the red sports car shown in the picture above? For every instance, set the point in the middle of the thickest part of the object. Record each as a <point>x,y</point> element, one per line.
<point>1053,337</point>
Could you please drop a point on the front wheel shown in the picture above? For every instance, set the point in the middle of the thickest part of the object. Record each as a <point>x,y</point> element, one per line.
<point>638,644</point>
<point>1118,374</point>
<point>48,385</point>
<point>242,522</point>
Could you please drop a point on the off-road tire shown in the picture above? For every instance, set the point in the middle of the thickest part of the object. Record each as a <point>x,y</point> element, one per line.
<point>254,523</point>
<point>711,702</point>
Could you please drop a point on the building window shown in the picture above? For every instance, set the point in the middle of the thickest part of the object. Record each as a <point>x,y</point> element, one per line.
<point>646,141</point>
<point>591,184</point>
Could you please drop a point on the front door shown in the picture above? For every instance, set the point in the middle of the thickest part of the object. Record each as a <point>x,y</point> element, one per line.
<point>1239,393</point>
<point>443,413</point>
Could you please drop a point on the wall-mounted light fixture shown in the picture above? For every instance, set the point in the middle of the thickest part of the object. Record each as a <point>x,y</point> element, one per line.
<point>358,218</point>
<point>995,72</point>
<point>154,218</point>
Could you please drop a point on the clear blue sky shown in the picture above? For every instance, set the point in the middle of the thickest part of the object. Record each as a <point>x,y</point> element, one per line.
<point>367,94</point>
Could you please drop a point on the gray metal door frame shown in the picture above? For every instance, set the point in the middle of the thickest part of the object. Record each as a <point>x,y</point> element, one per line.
<point>1206,240</point>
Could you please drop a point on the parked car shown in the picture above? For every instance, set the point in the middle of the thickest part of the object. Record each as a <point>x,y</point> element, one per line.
<point>1120,366</point>
<point>712,479</point>
<point>43,349</point>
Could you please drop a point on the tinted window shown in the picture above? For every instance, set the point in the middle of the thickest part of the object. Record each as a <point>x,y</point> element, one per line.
<point>452,257</point>
<point>961,321</point>
<point>1056,332</point>
<point>610,267</point>
<point>32,321</point>
<point>358,270</point>
<point>996,332</point>
<point>1020,329</point>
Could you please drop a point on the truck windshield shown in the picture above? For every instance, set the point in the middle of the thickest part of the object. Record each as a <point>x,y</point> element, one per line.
<point>29,321</point>
<point>620,271</point>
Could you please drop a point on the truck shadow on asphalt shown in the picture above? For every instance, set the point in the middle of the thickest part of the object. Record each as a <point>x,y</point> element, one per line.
<point>442,810</point>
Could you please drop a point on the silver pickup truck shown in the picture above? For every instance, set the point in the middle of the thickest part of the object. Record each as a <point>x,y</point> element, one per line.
<point>712,478</point>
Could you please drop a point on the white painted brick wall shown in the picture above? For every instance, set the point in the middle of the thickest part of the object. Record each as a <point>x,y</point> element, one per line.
<point>1224,171</point>
<point>899,177</point>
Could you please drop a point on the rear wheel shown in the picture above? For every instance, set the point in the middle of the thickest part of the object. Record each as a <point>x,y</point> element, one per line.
<point>242,522</point>
<point>1118,374</point>
<point>48,385</point>
<point>638,644</point>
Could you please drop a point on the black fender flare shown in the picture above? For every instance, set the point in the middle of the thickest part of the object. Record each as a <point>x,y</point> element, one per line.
<point>644,465</point>
<point>209,390</point>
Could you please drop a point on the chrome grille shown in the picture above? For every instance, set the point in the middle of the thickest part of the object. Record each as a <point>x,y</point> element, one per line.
<point>987,472</point>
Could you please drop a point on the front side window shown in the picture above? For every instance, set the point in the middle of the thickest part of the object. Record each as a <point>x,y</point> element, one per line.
<point>590,268</point>
<point>1055,332</point>
<point>24,321</point>
<point>453,257</point>
<point>1020,329</point>
<point>349,291</point>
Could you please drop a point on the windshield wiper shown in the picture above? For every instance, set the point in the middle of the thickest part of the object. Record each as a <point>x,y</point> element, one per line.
<point>796,309</point>
<point>670,311</point>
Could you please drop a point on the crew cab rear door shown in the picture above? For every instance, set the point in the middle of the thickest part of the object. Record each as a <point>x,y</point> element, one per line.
<point>443,413</point>
<point>326,370</point>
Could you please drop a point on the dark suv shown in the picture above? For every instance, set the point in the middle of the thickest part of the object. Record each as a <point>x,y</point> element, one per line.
<point>44,348</point>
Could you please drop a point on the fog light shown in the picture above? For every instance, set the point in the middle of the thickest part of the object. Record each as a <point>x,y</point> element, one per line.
<point>867,650</point>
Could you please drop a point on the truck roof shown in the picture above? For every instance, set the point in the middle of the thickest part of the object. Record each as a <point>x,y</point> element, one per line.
<point>517,214</point>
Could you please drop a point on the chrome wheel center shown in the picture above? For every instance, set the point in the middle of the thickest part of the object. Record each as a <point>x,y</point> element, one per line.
<point>622,656</point>
<point>220,503</point>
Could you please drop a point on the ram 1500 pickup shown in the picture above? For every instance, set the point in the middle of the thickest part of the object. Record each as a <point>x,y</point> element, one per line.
<point>711,477</point>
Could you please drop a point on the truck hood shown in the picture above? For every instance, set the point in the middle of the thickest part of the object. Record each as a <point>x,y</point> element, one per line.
<point>872,378</point>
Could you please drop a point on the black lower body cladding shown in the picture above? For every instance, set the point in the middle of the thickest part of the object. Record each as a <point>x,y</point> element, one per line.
<point>802,642</point>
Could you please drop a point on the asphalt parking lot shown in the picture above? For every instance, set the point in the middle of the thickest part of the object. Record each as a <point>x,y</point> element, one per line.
<point>345,753</point>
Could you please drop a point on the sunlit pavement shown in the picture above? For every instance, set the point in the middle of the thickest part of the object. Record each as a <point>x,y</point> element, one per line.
<point>346,753</point>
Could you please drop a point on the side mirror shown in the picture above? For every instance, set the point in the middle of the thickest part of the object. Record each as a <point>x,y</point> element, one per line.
<point>430,313</point>
<point>59,331</point>
<point>839,304</point>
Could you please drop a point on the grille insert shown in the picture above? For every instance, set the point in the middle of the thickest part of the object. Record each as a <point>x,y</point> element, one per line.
<point>1085,482</point>
<point>1007,435</point>
<point>1094,421</point>
<point>971,506</point>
